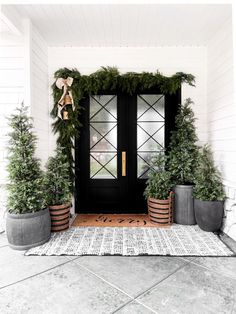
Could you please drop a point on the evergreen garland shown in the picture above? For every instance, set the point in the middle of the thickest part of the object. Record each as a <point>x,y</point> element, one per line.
<point>105,79</point>
<point>25,192</point>
<point>208,182</point>
<point>183,151</point>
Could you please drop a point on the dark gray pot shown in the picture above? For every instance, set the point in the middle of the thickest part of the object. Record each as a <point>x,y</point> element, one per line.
<point>25,231</point>
<point>209,214</point>
<point>183,209</point>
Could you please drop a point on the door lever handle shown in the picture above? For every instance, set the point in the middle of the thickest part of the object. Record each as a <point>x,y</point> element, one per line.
<point>123,157</point>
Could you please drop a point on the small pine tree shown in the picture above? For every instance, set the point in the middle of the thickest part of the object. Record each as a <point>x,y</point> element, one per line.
<point>183,150</point>
<point>159,182</point>
<point>57,181</point>
<point>208,182</point>
<point>25,176</point>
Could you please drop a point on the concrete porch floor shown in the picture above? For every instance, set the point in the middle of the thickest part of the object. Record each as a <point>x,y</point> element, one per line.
<point>148,284</point>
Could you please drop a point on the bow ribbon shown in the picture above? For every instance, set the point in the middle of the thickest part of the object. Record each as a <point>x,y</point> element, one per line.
<point>62,83</point>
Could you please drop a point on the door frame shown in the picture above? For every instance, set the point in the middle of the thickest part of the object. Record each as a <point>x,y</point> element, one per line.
<point>172,102</point>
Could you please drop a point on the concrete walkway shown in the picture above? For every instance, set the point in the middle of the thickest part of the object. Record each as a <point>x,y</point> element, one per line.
<point>142,285</point>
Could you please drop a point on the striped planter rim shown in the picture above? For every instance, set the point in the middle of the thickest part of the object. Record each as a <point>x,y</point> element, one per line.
<point>60,222</point>
<point>157,201</point>
<point>59,207</point>
<point>60,215</point>
<point>161,211</point>
<point>60,212</point>
<point>60,228</point>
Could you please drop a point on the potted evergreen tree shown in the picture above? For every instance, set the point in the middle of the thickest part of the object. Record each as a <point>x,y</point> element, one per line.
<point>158,193</point>
<point>28,221</point>
<point>57,186</point>
<point>182,159</point>
<point>209,193</point>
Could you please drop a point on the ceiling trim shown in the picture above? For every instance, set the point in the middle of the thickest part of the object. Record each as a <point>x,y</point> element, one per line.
<point>8,17</point>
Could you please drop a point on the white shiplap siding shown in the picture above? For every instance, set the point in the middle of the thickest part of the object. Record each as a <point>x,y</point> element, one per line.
<point>23,72</point>
<point>221,112</point>
<point>11,89</point>
<point>11,95</point>
<point>39,92</point>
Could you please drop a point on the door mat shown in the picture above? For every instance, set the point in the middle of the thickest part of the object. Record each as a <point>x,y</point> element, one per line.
<point>112,220</point>
<point>178,240</point>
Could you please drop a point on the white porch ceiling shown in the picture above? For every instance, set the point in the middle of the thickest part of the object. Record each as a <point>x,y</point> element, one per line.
<point>4,27</point>
<point>126,25</point>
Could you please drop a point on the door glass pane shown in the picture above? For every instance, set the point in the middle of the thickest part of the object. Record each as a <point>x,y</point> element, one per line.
<point>150,136</point>
<point>103,108</point>
<point>150,131</point>
<point>103,165</point>
<point>151,108</point>
<point>145,161</point>
<point>103,137</point>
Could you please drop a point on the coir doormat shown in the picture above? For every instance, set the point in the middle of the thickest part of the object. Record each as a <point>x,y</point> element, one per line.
<point>112,220</point>
<point>178,240</point>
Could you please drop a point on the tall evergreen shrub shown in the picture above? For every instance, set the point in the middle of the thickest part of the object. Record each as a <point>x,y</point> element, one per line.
<point>183,151</point>
<point>208,182</point>
<point>57,181</point>
<point>25,192</point>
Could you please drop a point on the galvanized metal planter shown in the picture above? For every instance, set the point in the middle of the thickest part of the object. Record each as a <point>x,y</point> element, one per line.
<point>25,231</point>
<point>184,210</point>
<point>209,214</point>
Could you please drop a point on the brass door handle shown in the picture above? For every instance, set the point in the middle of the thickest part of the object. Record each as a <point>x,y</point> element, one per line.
<point>123,157</point>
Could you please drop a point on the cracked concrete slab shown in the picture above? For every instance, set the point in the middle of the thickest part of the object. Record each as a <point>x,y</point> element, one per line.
<point>132,274</point>
<point>65,289</point>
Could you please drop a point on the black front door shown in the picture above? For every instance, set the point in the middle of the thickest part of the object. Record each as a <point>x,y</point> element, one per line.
<point>120,136</point>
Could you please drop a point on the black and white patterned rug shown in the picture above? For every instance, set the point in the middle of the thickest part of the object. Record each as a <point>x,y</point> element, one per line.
<point>178,240</point>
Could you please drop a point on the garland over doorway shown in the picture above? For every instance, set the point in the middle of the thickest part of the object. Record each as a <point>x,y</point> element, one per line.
<point>105,79</point>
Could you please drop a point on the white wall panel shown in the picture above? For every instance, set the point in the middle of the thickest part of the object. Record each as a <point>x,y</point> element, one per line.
<point>11,95</point>
<point>11,89</point>
<point>40,92</point>
<point>221,107</point>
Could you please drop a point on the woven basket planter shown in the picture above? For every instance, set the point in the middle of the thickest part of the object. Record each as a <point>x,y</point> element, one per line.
<point>60,216</point>
<point>161,211</point>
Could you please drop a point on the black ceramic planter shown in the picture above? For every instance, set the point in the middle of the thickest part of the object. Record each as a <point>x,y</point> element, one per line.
<point>209,214</point>
<point>183,208</point>
<point>25,231</point>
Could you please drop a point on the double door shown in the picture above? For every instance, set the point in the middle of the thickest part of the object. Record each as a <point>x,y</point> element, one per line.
<point>121,135</point>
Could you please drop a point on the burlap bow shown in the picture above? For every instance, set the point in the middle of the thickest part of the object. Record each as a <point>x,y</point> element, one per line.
<point>62,83</point>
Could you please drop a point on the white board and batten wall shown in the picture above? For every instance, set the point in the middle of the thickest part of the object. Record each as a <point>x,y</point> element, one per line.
<point>221,114</point>
<point>23,78</point>
<point>11,88</point>
<point>11,95</point>
<point>37,95</point>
